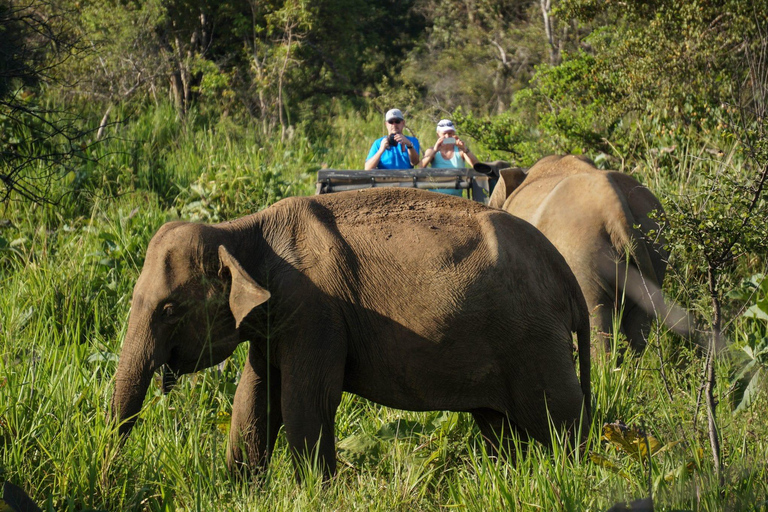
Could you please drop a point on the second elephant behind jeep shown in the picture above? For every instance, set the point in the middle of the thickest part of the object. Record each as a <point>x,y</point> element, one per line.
<point>604,224</point>
<point>411,299</point>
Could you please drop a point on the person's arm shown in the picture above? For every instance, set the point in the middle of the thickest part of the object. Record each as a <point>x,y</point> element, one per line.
<point>468,156</point>
<point>413,152</point>
<point>374,155</point>
<point>411,146</point>
<point>430,153</point>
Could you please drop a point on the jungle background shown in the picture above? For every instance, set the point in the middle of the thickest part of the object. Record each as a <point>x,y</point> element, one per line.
<point>119,115</point>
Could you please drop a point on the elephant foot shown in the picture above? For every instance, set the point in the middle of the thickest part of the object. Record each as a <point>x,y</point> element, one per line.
<point>243,468</point>
<point>499,434</point>
<point>248,453</point>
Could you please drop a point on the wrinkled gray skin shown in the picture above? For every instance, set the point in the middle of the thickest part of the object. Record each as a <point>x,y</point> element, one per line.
<point>600,221</point>
<point>411,299</point>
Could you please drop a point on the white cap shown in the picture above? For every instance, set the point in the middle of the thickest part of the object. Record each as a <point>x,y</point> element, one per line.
<point>445,125</point>
<point>393,114</point>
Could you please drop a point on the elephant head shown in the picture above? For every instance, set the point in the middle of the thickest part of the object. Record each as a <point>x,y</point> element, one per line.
<point>509,178</point>
<point>188,304</point>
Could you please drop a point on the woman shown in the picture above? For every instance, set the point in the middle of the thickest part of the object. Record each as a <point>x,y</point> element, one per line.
<point>449,152</point>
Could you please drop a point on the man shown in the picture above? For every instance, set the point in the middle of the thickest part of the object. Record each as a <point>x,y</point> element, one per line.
<point>395,151</point>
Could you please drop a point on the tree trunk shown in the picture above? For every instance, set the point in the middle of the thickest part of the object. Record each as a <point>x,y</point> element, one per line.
<point>554,53</point>
<point>714,343</point>
<point>103,123</point>
<point>177,92</point>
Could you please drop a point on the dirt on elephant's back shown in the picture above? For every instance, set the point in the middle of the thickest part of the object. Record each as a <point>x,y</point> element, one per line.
<point>385,205</point>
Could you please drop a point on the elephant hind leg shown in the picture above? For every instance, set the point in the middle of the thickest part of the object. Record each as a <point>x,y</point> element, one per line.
<point>601,322</point>
<point>498,432</point>
<point>557,409</point>
<point>635,324</point>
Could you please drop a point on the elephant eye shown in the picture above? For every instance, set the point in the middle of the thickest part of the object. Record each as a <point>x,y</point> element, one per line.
<point>170,312</point>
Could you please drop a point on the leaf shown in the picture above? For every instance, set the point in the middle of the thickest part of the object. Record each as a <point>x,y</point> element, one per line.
<point>631,440</point>
<point>747,370</point>
<point>667,447</point>
<point>444,422</point>
<point>103,357</point>
<point>359,448</point>
<point>746,391</point>
<point>683,470</point>
<point>605,462</point>
<point>223,421</point>
<point>399,429</point>
<point>757,312</point>
<point>761,349</point>
<point>108,237</point>
<point>738,294</point>
<point>24,318</point>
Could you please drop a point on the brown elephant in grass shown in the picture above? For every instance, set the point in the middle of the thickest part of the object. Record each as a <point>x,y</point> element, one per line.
<point>411,299</point>
<point>601,222</point>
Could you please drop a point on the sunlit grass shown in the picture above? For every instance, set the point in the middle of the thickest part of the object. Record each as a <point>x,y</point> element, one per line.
<point>66,287</point>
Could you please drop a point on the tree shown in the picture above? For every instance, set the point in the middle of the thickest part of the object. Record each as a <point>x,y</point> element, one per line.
<point>38,141</point>
<point>476,54</point>
<point>640,74</point>
<point>725,217</point>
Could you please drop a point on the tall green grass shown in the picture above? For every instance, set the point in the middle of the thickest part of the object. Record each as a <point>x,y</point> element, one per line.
<point>66,283</point>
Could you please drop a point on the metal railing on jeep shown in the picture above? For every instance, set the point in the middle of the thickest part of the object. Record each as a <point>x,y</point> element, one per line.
<point>332,180</point>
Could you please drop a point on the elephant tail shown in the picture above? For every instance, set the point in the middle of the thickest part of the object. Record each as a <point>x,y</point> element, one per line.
<point>640,280</point>
<point>584,347</point>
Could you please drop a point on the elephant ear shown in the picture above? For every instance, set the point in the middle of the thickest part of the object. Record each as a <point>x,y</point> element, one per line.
<point>509,180</point>
<point>244,294</point>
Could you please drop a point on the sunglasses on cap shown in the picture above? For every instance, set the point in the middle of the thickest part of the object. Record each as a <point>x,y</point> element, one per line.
<point>395,121</point>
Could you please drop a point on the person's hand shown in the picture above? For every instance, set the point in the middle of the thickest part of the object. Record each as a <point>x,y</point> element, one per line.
<point>401,139</point>
<point>384,144</point>
<point>439,143</point>
<point>461,145</point>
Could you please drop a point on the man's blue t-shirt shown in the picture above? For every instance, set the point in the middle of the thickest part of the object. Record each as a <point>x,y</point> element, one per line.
<point>393,158</point>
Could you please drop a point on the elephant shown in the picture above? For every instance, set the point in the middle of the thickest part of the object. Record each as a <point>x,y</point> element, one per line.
<point>413,300</point>
<point>602,223</point>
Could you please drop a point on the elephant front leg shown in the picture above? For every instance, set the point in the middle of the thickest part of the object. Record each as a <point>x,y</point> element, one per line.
<point>498,432</point>
<point>309,410</point>
<point>256,417</point>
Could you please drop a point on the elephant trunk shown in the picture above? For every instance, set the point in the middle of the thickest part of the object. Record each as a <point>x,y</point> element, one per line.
<point>138,362</point>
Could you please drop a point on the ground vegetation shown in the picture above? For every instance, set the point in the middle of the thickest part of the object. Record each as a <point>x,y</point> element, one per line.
<point>116,117</point>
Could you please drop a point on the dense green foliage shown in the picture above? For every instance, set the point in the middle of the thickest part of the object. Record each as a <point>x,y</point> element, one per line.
<point>132,113</point>
<point>645,75</point>
<point>67,273</point>
<point>267,60</point>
